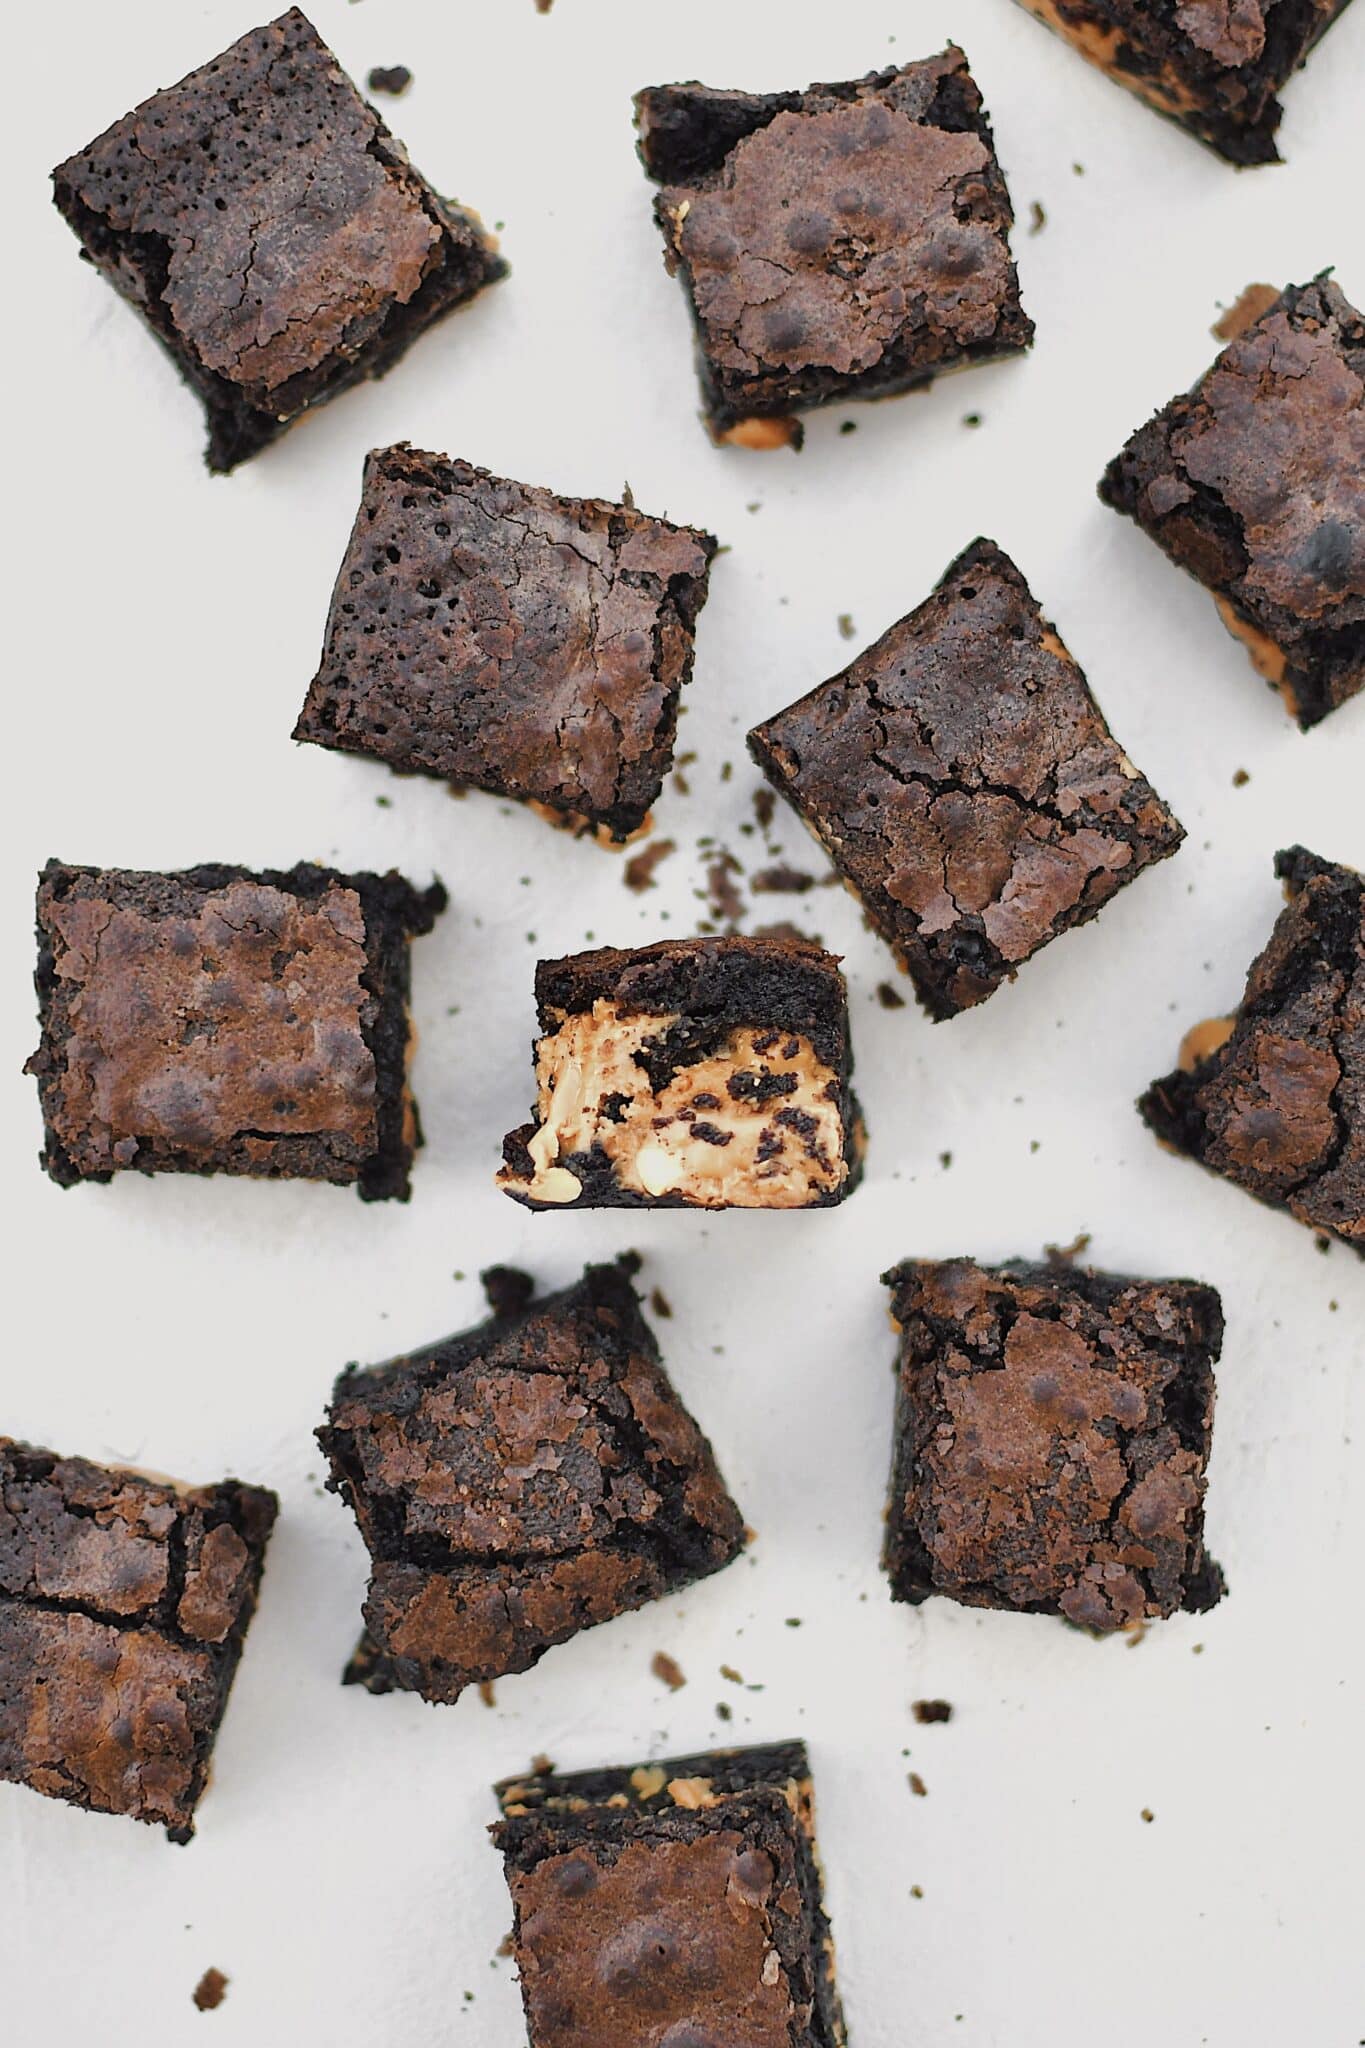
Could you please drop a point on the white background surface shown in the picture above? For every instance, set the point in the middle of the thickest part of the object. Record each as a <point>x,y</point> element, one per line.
<point>161,632</point>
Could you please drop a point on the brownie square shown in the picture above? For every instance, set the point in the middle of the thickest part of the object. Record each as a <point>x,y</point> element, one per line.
<point>1255,483</point>
<point>691,1074</point>
<point>225,1021</point>
<point>271,232</point>
<point>491,633</point>
<point>1051,1438</point>
<point>963,781</point>
<point>849,241</point>
<point>1213,66</point>
<point>1273,1097</point>
<point>521,1482</point>
<point>673,1905</point>
<point>124,1604</point>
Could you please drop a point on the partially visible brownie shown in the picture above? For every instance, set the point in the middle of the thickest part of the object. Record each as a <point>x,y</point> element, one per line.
<point>849,241</point>
<point>962,779</point>
<point>1273,1097</point>
<point>490,633</point>
<point>124,1604</point>
<point>225,1021</point>
<point>271,232</point>
<point>709,1073</point>
<point>1052,1432</point>
<point>521,1482</point>
<point>1255,483</point>
<point>672,1905</point>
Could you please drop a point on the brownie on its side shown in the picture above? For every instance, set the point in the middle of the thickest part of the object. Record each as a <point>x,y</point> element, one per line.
<point>1255,483</point>
<point>1051,1439</point>
<point>675,1905</point>
<point>271,232</point>
<point>963,781</point>
<point>849,241</point>
<point>519,1483</point>
<point>1213,67</point>
<point>491,633</point>
<point>124,1604</point>
<point>1273,1097</point>
<point>691,1074</point>
<point>224,1021</point>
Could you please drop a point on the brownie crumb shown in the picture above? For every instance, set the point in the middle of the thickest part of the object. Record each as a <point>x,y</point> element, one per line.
<point>765,803</point>
<point>728,1671</point>
<point>926,1711</point>
<point>508,1289</point>
<point>846,626</point>
<point>541,1765</point>
<point>639,869</point>
<point>393,79</point>
<point>210,1991</point>
<point>945,1160</point>
<point>848,426</point>
<point>1244,311</point>
<point>724,1711</point>
<point>726,901</point>
<point>667,1670</point>
<point>486,1692</point>
<point>1067,1254</point>
<point>971,419</point>
<point>888,997</point>
<point>781,880</point>
<point>1147,1814</point>
<point>1240,778</point>
<point>1037,219</point>
<point>918,1786</point>
<point>507,1946</point>
<point>785,929</point>
<point>660,1302</point>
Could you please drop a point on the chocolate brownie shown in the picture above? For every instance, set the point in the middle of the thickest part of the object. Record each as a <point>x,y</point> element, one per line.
<point>963,781</point>
<point>1255,483</point>
<point>491,633</point>
<point>520,1482</point>
<point>1051,1438</point>
<point>271,232</point>
<point>849,241</point>
<point>124,1604</point>
<point>673,1905</point>
<point>1214,66</point>
<point>1273,1097</point>
<point>225,1021</point>
<point>691,1074</point>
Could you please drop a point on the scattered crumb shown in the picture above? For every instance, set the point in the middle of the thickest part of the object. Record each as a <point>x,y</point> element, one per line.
<point>639,869</point>
<point>1067,1254</point>
<point>627,496</point>
<point>765,803</point>
<point>1079,169</point>
<point>544,6</point>
<point>667,1670</point>
<point>781,881</point>
<point>1240,779</point>
<point>926,1711</point>
<point>542,1766</point>
<point>1135,1631</point>
<point>726,900</point>
<point>486,1692</point>
<point>385,803</point>
<point>851,426</point>
<point>916,1891</point>
<point>1035,1144</point>
<point>729,1672</point>
<point>1037,219</point>
<point>971,419</point>
<point>945,1160</point>
<point>507,1946</point>
<point>1322,1241</point>
<point>918,1786</point>
<point>393,79</point>
<point>210,1991</point>
<point>1147,1813</point>
<point>508,1290</point>
<point>757,506</point>
<point>846,625</point>
<point>1246,308</point>
<point>727,769</point>
<point>724,1711</point>
<point>793,1621</point>
<point>1198,1650</point>
<point>888,997</point>
<point>785,929</point>
<point>660,1302</point>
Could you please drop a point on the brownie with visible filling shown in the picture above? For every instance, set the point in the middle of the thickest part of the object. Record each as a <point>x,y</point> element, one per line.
<point>1052,1433</point>
<point>962,779</point>
<point>709,1073</point>
<point>1273,1097</point>
<point>672,1905</point>
<point>1213,66</point>
<point>492,634</point>
<point>225,1021</point>
<point>1254,482</point>
<point>521,1482</point>
<point>124,1604</point>
<point>271,232</point>
<point>849,241</point>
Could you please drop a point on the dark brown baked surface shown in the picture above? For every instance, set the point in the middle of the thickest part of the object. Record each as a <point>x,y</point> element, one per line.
<point>1052,1433</point>
<point>271,232</point>
<point>521,1482</point>
<point>494,634</point>
<point>962,779</point>
<point>851,240</point>
<point>1273,1097</point>
<point>1254,482</point>
<point>124,1603</point>
<point>225,1021</point>
<point>673,1905</point>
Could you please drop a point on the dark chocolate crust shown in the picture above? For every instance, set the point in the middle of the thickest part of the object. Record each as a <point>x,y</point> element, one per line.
<point>1278,1107</point>
<point>521,1482</point>
<point>1052,1433</point>
<point>878,203</point>
<point>124,1604</point>
<point>227,1020</point>
<point>962,779</point>
<point>490,633</point>
<point>271,232</point>
<point>675,1902</point>
<point>1255,483</point>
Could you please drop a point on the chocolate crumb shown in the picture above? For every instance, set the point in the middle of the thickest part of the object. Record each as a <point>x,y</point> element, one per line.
<point>210,1991</point>
<point>1147,1813</point>
<point>660,1302</point>
<point>1244,311</point>
<point>945,1160</point>
<point>393,79</point>
<point>847,628</point>
<point>918,1786</point>
<point>916,1891</point>
<point>971,419</point>
<point>926,1711</point>
<point>542,1766</point>
<point>724,1711</point>
<point>726,900</point>
<point>765,803</point>
<point>1067,1254</point>
<point>1240,779</point>
<point>667,1670</point>
<point>1037,219</point>
<point>781,880</point>
<point>729,1671</point>
<point>507,1946</point>
<point>486,1692</point>
<point>1323,1243</point>
<point>508,1289</point>
<point>888,997</point>
<point>848,426</point>
<point>639,869</point>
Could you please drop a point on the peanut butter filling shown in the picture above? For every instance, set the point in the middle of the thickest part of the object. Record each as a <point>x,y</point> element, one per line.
<point>1267,658</point>
<point>1202,1041</point>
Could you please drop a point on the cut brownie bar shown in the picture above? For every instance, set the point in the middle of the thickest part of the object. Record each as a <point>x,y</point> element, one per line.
<point>271,232</point>
<point>1273,1097</point>
<point>1214,66</point>
<point>963,781</point>
<point>520,1482</point>
<point>224,1021</point>
<point>492,633</point>
<point>1051,1438</point>
<point>849,241</point>
<point>1255,483</point>
<point>675,1905</point>
<point>124,1604</point>
<point>692,1074</point>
